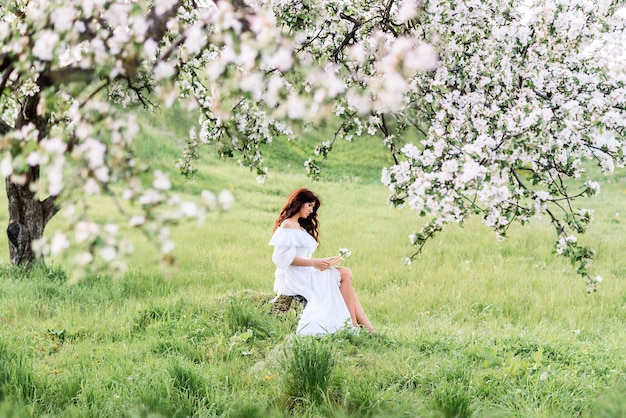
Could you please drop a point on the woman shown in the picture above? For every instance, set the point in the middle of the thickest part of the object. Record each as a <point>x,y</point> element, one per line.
<point>332,303</point>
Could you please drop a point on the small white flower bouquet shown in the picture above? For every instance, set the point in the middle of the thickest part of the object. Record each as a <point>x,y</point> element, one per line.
<point>342,253</point>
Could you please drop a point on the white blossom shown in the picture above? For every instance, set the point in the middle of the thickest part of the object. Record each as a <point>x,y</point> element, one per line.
<point>6,166</point>
<point>56,178</point>
<point>63,18</point>
<point>4,30</point>
<point>225,199</point>
<point>209,199</point>
<point>58,243</point>
<point>344,252</point>
<point>195,39</point>
<point>296,107</point>
<point>167,247</point>
<point>424,57</point>
<point>150,49</point>
<point>85,230</point>
<point>407,10</point>
<point>33,158</point>
<point>189,209</point>
<point>83,258</point>
<point>150,197</point>
<point>53,145</point>
<point>542,195</point>
<point>91,187</point>
<point>108,253</point>
<point>357,52</point>
<point>503,102</point>
<point>161,181</point>
<point>564,243</point>
<point>164,70</point>
<point>281,59</point>
<point>45,45</point>
<point>253,83</point>
<point>111,229</point>
<point>137,220</point>
<point>594,186</point>
<point>162,6</point>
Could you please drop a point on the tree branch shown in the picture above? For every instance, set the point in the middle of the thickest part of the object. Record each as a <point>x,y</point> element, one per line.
<point>520,182</point>
<point>173,47</point>
<point>5,128</point>
<point>101,87</point>
<point>146,103</point>
<point>69,74</point>
<point>349,37</point>
<point>5,61</point>
<point>385,130</point>
<point>310,41</point>
<point>50,208</point>
<point>158,23</point>
<point>543,95</point>
<point>5,77</point>
<point>386,19</point>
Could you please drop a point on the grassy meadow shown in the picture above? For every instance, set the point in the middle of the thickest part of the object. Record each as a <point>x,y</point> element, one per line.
<point>473,328</point>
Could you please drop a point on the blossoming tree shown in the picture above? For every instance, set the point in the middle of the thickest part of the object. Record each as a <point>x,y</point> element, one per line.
<point>501,126</point>
<point>517,105</point>
<point>488,110</point>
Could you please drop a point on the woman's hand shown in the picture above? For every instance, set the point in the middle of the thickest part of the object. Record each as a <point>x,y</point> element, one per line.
<point>321,263</point>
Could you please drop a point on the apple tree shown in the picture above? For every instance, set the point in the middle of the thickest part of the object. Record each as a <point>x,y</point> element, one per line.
<point>489,108</point>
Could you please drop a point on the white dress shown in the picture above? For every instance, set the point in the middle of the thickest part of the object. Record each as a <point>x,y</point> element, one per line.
<point>325,310</point>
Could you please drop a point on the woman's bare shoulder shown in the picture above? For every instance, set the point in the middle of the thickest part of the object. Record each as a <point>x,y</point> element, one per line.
<point>288,223</point>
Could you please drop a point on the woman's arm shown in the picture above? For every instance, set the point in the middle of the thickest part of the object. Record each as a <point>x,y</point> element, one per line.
<point>318,263</point>
<point>285,256</point>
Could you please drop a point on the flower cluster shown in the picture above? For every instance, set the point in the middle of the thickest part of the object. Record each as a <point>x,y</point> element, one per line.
<point>486,111</point>
<point>344,252</point>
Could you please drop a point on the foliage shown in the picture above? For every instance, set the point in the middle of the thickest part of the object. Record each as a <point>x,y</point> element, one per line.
<point>487,108</point>
<point>517,105</point>
<point>70,72</point>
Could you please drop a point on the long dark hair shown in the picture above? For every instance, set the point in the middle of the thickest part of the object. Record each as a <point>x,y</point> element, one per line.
<point>295,201</point>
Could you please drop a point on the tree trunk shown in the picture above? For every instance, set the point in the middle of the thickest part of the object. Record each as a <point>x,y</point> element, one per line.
<point>28,217</point>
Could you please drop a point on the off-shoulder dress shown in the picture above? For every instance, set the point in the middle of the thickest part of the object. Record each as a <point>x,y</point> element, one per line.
<point>325,310</point>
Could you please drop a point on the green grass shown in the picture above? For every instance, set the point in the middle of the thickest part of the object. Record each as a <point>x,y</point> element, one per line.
<point>474,327</point>
<point>308,368</point>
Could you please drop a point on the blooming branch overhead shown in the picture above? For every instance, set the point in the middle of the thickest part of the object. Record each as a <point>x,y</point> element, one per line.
<point>487,109</point>
<point>517,105</point>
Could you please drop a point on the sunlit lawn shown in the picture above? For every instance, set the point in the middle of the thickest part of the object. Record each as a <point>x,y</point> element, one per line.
<point>472,326</point>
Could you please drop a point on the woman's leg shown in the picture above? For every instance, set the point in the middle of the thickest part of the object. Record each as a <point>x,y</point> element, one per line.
<point>357,313</point>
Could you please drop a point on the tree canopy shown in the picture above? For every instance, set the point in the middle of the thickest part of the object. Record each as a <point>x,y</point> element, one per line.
<point>489,108</point>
